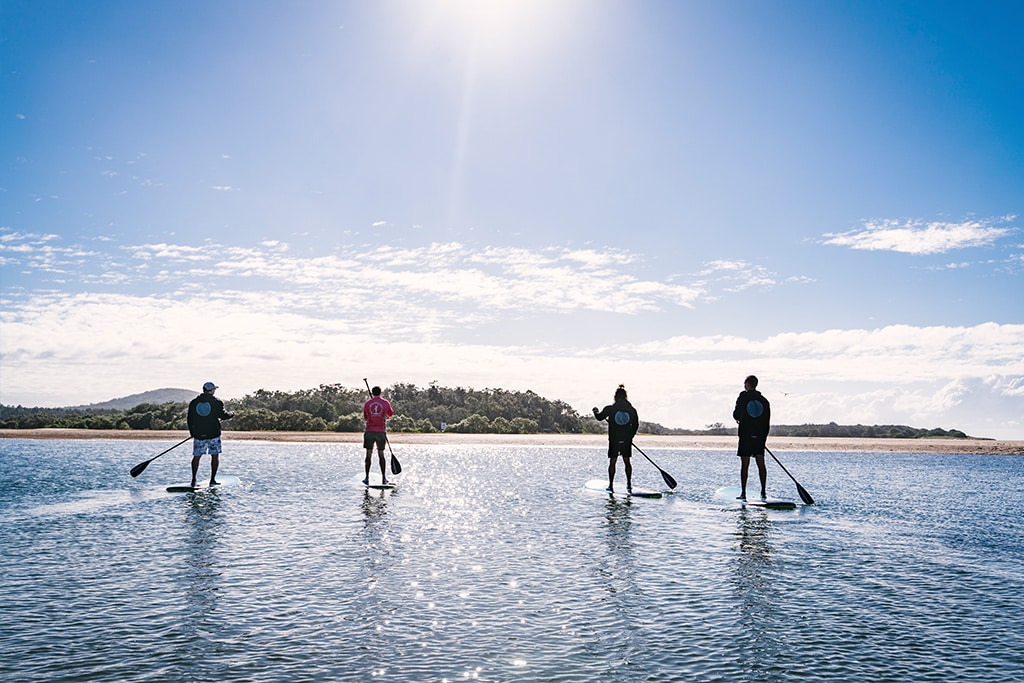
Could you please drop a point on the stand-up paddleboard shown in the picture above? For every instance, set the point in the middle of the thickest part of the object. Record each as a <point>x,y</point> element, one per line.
<point>620,489</point>
<point>375,483</point>
<point>731,494</point>
<point>222,481</point>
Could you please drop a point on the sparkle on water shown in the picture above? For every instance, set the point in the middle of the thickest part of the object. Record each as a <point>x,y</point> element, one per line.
<point>495,564</point>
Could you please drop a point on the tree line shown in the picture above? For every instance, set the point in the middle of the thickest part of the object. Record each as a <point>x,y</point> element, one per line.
<point>333,407</point>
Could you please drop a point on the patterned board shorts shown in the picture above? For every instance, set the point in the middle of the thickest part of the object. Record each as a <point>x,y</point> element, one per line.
<point>204,446</point>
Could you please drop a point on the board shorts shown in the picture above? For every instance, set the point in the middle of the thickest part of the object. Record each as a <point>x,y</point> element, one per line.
<point>751,446</point>
<point>371,439</point>
<point>617,448</point>
<point>204,446</point>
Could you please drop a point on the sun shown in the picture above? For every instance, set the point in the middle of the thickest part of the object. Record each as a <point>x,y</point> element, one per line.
<point>499,30</point>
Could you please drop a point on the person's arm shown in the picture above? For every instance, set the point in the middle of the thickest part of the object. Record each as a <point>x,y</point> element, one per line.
<point>737,412</point>
<point>601,415</point>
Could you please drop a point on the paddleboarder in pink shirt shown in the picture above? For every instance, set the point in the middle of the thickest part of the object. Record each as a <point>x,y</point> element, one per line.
<point>376,412</point>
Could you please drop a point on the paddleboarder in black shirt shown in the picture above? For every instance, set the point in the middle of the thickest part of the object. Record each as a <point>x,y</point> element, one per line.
<point>753,413</point>
<point>622,425</point>
<point>204,415</point>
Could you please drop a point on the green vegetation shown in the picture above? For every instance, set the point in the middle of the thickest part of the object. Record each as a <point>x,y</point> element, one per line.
<point>332,407</point>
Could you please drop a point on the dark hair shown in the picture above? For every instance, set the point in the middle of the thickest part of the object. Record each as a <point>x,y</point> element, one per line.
<point>751,380</point>
<point>375,391</point>
<point>620,392</point>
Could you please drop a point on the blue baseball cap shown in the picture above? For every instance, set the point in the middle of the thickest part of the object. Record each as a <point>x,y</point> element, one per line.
<point>209,386</point>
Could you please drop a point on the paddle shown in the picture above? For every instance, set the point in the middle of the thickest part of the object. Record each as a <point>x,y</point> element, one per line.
<point>138,469</point>
<point>804,496</point>
<point>669,481</point>
<point>396,467</point>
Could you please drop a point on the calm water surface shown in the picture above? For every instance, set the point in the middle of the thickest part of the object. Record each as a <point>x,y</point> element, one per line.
<point>494,564</point>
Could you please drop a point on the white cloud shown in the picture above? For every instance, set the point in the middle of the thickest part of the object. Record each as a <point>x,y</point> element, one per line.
<point>264,317</point>
<point>61,349</point>
<point>918,237</point>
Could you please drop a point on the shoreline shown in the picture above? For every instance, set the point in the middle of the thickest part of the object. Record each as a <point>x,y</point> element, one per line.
<point>645,441</point>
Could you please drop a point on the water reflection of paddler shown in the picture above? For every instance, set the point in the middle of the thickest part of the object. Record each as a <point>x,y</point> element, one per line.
<point>375,504</point>
<point>205,522</point>
<point>753,563</point>
<point>618,524</point>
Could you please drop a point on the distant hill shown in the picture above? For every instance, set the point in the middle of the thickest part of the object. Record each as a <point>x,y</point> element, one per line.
<point>156,397</point>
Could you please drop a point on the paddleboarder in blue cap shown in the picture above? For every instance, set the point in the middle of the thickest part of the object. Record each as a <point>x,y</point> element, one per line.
<point>205,412</point>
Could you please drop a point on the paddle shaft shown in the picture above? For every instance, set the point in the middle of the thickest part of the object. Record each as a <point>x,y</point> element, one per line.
<point>396,466</point>
<point>664,475</point>
<point>804,496</point>
<point>140,468</point>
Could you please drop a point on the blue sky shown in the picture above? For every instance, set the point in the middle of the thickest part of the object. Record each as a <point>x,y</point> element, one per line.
<point>555,196</point>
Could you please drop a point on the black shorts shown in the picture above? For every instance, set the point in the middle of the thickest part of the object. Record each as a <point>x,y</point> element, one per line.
<point>623,448</point>
<point>370,439</point>
<point>751,446</point>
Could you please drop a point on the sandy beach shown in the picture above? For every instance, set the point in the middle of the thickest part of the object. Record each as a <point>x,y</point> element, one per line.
<point>971,446</point>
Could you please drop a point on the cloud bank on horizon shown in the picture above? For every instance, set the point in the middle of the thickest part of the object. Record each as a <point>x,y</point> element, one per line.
<point>642,193</point>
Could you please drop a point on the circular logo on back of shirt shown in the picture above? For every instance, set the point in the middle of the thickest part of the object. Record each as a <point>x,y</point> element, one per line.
<point>755,408</point>
<point>203,409</point>
<point>376,410</point>
<point>622,418</point>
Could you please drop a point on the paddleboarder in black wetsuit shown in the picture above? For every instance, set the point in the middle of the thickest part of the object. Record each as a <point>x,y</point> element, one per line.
<point>622,425</point>
<point>204,415</point>
<point>754,414</point>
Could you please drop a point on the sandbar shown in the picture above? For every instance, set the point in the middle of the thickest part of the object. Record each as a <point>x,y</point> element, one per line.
<point>645,441</point>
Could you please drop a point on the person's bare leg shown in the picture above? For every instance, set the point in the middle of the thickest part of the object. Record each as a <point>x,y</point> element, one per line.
<point>762,472</point>
<point>744,469</point>
<point>383,466</point>
<point>611,473</point>
<point>369,459</point>
<point>214,464</point>
<point>195,469</point>
<point>628,465</point>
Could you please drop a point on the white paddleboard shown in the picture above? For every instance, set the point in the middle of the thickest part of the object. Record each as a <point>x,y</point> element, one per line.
<point>731,494</point>
<point>620,489</point>
<point>375,483</point>
<point>222,481</point>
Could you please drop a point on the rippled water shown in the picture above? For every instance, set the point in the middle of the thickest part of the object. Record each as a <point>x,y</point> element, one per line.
<point>493,564</point>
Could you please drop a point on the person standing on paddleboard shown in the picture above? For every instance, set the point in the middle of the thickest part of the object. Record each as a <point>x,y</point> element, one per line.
<point>753,414</point>
<point>204,415</point>
<point>623,423</point>
<point>376,412</point>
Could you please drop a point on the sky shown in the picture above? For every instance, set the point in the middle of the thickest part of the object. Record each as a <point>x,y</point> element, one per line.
<point>556,196</point>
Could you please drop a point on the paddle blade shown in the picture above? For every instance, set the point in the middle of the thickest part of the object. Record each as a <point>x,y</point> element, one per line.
<point>396,467</point>
<point>804,496</point>
<point>669,481</point>
<point>140,468</point>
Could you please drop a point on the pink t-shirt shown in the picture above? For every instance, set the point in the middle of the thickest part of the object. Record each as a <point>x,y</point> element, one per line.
<point>376,412</point>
